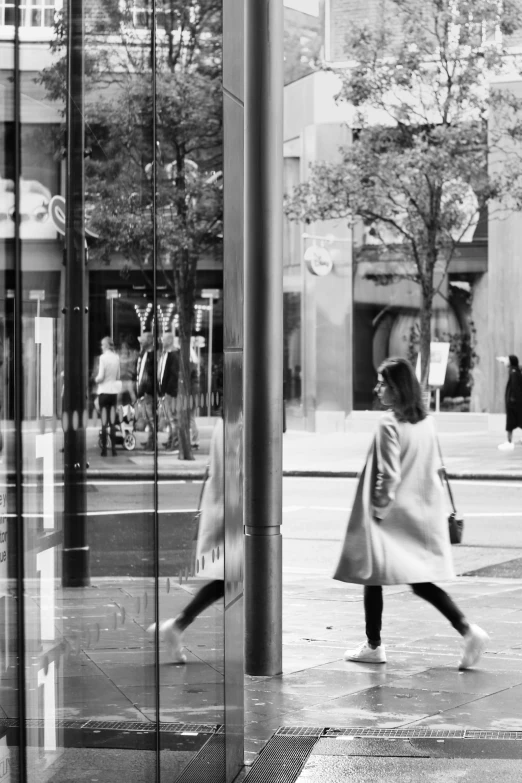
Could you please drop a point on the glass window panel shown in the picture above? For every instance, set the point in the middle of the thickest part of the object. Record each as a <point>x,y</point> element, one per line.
<point>9,577</point>
<point>100,422</point>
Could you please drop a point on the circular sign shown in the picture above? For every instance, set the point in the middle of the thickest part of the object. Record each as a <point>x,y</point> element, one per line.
<point>318,260</point>
<point>57,213</point>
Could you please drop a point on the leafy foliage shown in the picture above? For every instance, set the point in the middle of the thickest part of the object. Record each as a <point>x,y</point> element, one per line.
<point>154,190</point>
<point>433,144</point>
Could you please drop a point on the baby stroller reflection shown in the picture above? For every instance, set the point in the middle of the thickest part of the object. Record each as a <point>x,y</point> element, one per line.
<point>124,426</point>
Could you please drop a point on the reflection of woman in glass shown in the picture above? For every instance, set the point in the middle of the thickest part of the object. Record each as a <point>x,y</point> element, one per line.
<point>398,532</point>
<point>108,380</point>
<point>209,553</point>
<point>128,362</point>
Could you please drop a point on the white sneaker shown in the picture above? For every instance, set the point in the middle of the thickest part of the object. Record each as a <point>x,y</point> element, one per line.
<point>475,642</point>
<point>507,446</point>
<point>172,636</point>
<point>365,654</point>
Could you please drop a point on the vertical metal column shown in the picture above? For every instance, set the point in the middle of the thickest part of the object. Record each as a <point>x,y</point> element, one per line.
<point>263,373</point>
<point>75,551</point>
<point>17,385</point>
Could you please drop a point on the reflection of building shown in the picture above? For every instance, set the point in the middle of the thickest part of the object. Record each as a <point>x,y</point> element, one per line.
<point>349,321</point>
<point>43,177</point>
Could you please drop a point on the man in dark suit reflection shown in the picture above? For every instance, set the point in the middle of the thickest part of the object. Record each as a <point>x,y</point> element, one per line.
<point>145,382</point>
<point>168,373</point>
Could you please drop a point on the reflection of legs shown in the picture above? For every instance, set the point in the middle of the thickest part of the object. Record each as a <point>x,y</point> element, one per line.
<point>104,403</point>
<point>112,398</point>
<point>194,432</point>
<point>170,410</point>
<point>171,631</point>
<point>149,410</point>
<point>208,594</point>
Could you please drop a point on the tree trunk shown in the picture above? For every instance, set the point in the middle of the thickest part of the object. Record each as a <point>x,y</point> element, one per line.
<point>185,293</point>
<point>184,390</point>
<point>425,340</point>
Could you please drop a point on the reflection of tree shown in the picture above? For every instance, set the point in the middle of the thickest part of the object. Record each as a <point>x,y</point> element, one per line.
<point>416,174</point>
<point>172,192</point>
<point>303,43</point>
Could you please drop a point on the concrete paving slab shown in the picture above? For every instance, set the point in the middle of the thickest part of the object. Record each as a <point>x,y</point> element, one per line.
<point>319,769</point>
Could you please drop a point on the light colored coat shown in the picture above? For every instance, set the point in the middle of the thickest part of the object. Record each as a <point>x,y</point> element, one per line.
<point>211,532</point>
<point>398,528</point>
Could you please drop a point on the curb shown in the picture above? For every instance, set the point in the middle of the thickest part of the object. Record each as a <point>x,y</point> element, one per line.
<point>197,473</point>
<point>462,475</point>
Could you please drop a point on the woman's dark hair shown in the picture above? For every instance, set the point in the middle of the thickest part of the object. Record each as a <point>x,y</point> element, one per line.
<point>513,360</point>
<point>399,376</point>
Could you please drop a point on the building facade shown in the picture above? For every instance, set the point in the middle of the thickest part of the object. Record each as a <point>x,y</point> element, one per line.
<point>338,341</point>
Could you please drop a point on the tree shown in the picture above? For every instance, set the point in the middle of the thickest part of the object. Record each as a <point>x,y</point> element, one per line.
<point>166,200</point>
<point>418,170</point>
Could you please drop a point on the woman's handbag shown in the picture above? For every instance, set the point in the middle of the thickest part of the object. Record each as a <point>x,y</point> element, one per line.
<point>455,521</point>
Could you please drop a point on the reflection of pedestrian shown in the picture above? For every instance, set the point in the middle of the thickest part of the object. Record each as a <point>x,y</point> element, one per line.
<point>108,380</point>
<point>209,553</point>
<point>195,389</point>
<point>398,531</point>
<point>513,400</point>
<point>145,381</point>
<point>168,372</point>
<point>128,360</point>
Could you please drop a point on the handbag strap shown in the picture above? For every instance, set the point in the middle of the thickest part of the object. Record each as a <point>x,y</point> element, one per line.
<point>444,473</point>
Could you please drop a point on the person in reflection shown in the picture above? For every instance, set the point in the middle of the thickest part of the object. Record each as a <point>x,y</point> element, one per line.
<point>195,388</point>
<point>513,400</point>
<point>398,531</point>
<point>108,381</point>
<point>168,372</point>
<point>128,360</point>
<point>145,382</point>
<point>209,553</point>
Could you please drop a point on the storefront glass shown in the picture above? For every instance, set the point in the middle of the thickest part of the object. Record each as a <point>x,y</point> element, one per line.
<point>111,388</point>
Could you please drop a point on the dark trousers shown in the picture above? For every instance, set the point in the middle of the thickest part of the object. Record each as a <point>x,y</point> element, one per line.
<point>373,606</point>
<point>107,404</point>
<point>211,592</point>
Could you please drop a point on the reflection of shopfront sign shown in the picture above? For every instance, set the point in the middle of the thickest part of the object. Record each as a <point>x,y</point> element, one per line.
<point>439,354</point>
<point>57,213</point>
<point>318,260</point>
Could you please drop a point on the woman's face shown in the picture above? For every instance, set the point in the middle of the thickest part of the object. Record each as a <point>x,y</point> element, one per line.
<point>384,392</point>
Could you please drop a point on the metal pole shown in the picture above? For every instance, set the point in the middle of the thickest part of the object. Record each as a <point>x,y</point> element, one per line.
<point>263,366</point>
<point>75,550</point>
<point>18,384</point>
<point>210,328</point>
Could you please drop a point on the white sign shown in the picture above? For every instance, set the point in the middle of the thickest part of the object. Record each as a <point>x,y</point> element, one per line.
<point>439,354</point>
<point>318,260</point>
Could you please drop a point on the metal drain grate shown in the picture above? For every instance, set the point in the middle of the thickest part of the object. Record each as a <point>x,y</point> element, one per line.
<point>282,759</point>
<point>122,725</point>
<point>472,734</point>
<point>300,731</point>
<point>208,765</point>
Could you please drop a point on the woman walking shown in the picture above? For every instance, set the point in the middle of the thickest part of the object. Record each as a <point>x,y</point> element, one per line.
<point>398,531</point>
<point>209,553</point>
<point>109,386</point>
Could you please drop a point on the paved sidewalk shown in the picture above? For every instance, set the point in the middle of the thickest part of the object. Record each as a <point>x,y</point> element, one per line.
<point>109,671</point>
<point>467,454</point>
